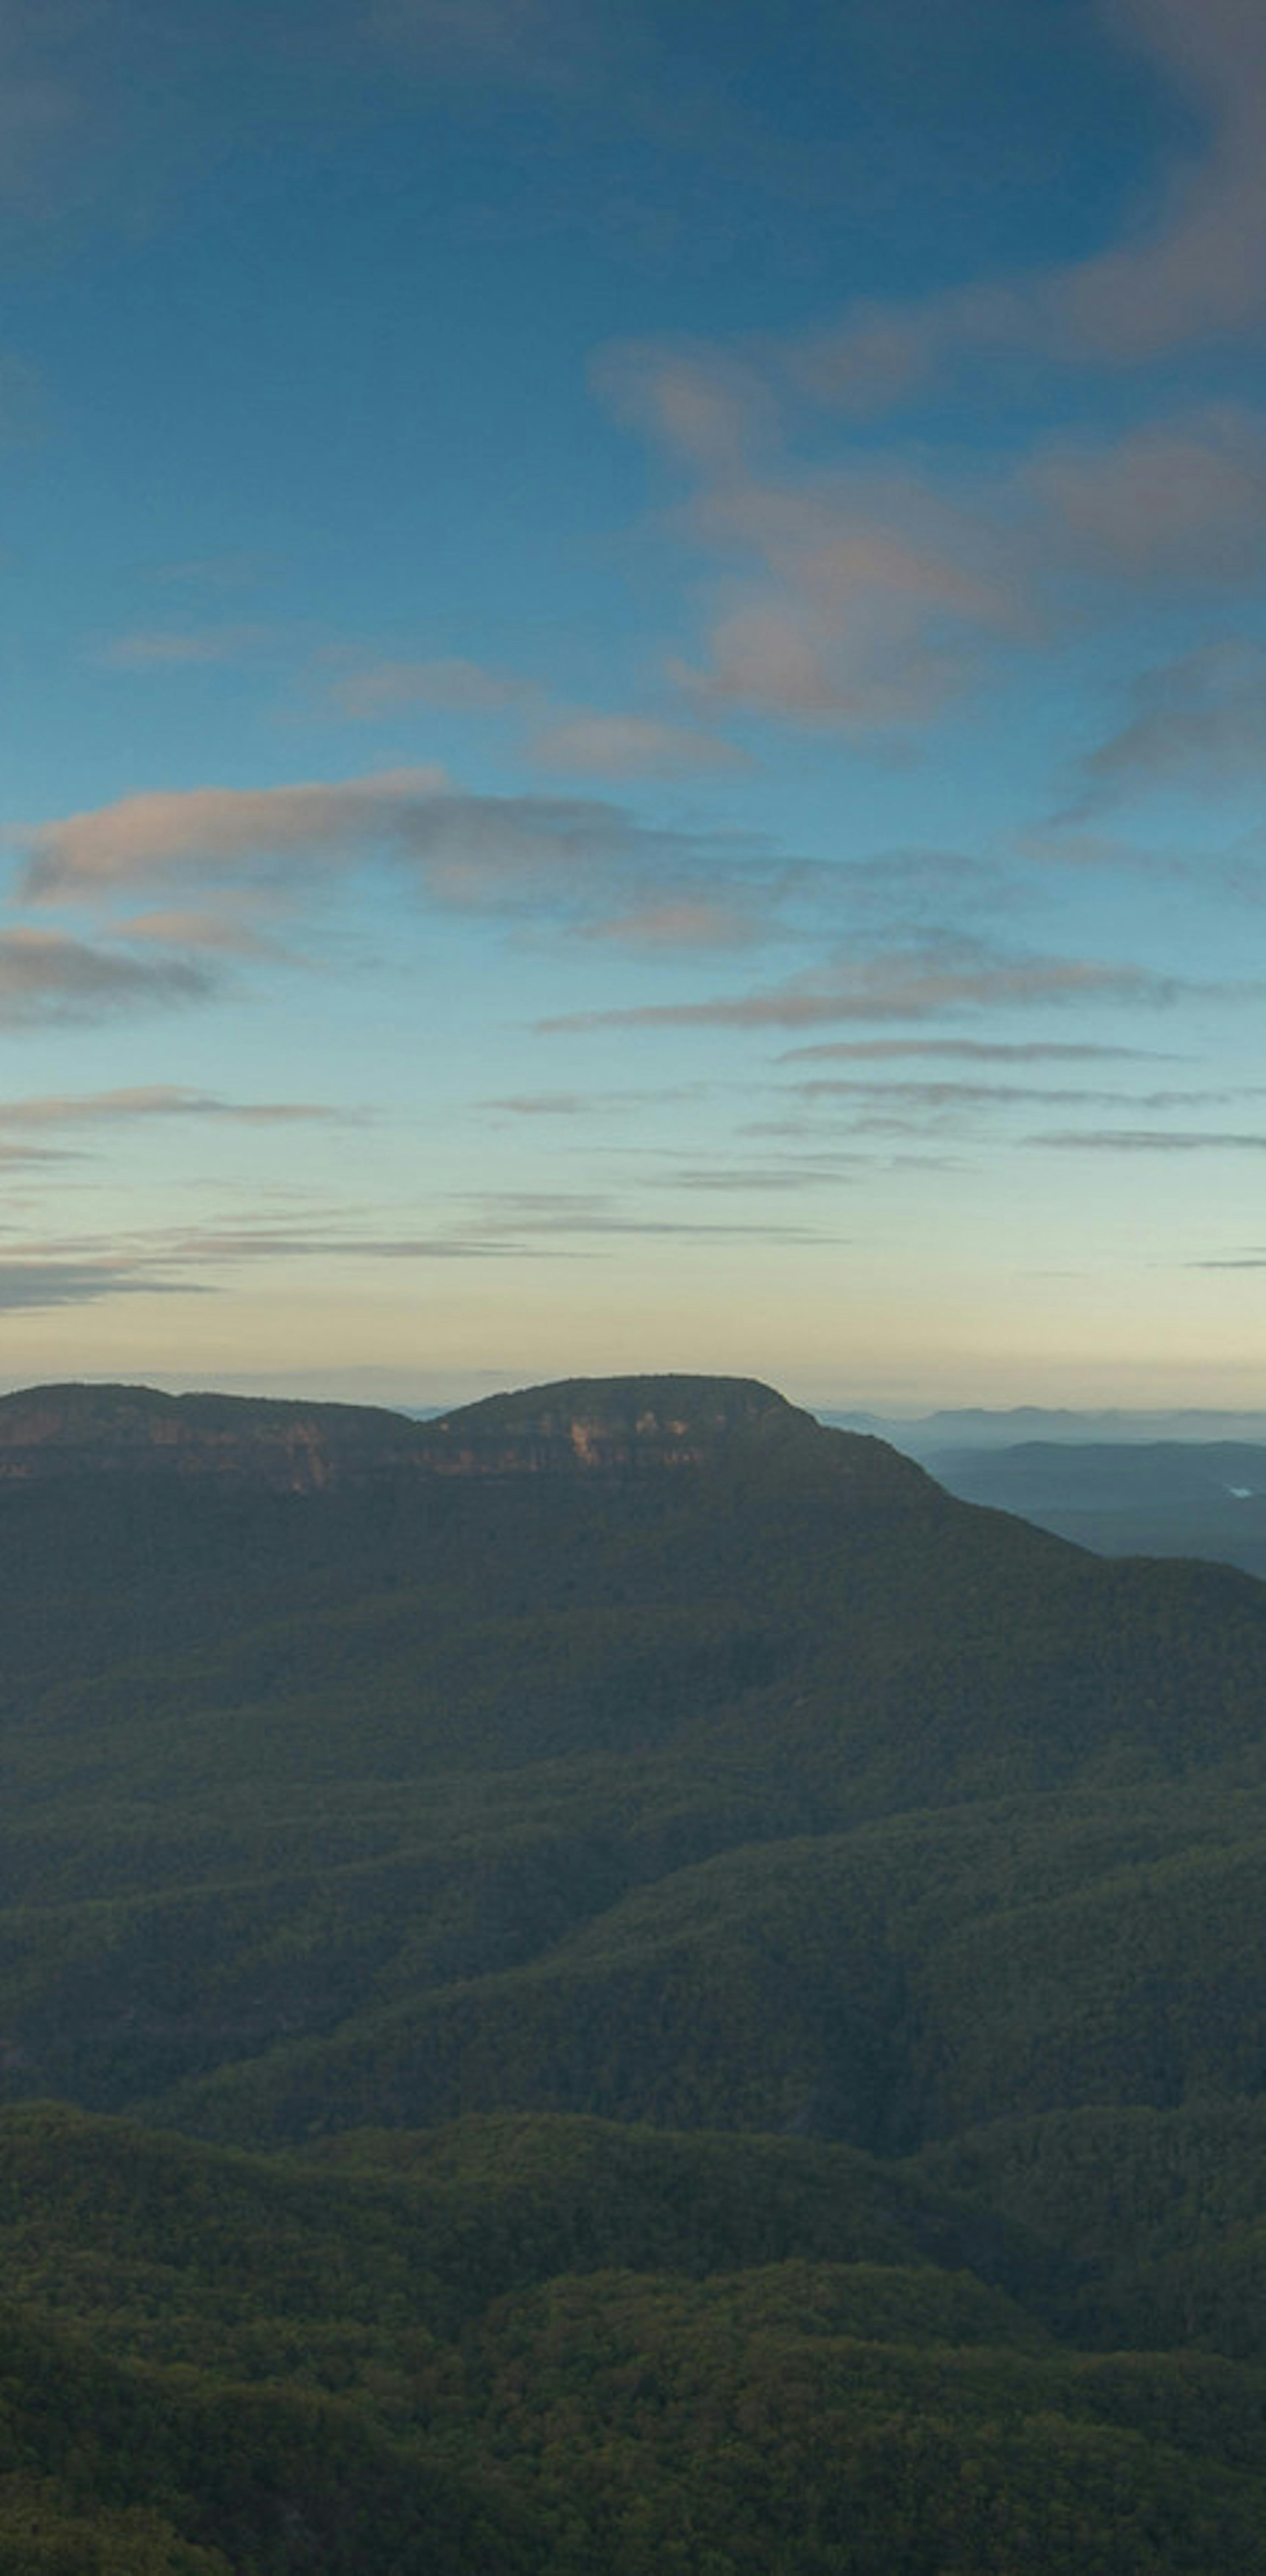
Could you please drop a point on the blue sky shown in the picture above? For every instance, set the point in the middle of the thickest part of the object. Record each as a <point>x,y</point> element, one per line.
<point>635,680</point>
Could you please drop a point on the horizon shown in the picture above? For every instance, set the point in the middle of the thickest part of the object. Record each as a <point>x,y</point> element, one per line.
<point>640,721</point>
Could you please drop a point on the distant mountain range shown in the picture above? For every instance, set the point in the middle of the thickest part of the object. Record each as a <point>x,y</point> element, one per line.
<point>627,1985</point>
<point>928,1435</point>
<point>1121,1483</point>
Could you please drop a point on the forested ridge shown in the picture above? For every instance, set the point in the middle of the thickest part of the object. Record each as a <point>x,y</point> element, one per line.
<point>627,1985</point>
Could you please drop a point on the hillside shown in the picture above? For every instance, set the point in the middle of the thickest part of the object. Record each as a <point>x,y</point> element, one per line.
<point>503,1905</point>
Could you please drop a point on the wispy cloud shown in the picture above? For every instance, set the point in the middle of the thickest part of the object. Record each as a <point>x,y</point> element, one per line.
<point>34,1284</point>
<point>1176,499</point>
<point>583,857</point>
<point>939,1097</point>
<point>587,867</point>
<point>914,984</point>
<point>235,932</point>
<point>145,1101</point>
<point>820,1171</point>
<point>682,926</point>
<point>1200,719</point>
<point>46,977</point>
<point>213,1247</point>
<point>1061,843</point>
<point>971,1051</point>
<point>577,860</point>
<point>1191,273</point>
<point>582,1104</point>
<point>212,830</point>
<point>1151,1140</point>
<point>531,1213</point>
<point>862,591</point>
<point>860,598</point>
<point>588,744</point>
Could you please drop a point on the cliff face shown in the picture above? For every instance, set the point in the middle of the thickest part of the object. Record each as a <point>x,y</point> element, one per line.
<point>595,1426</point>
<point>613,1426</point>
<point>55,1431</point>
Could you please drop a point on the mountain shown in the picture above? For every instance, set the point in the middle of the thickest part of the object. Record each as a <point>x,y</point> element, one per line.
<point>931,1435</point>
<point>648,1984</point>
<point>78,1431</point>
<point>612,1425</point>
<point>1154,1498</point>
<point>617,1709</point>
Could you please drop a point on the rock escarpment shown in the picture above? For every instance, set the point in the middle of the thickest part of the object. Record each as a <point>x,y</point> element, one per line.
<point>586,1426</point>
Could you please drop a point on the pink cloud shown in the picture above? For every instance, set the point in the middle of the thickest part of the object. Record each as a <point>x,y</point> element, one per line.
<point>629,746</point>
<point>222,829</point>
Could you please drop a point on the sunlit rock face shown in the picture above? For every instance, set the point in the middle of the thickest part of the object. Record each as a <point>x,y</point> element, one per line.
<point>57,1431</point>
<point>608,1425</point>
<point>591,1428</point>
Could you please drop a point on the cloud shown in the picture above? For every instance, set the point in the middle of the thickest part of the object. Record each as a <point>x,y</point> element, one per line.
<point>706,406</point>
<point>30,1284</point>
<point>914,984</point>
<point>582,1104</point>
<point>970,1050</point>
<point>578,1213</point>
<point>859,597</point>
<point>807,1174</point>
<point>1200,719</point>
<point>486,1226</point>
<point>685,924</point>
<point>938,1097</point>
<point>545,1104</point>
<point>578,860</point>
<point>803,1131</point>
<point>214,829</point>
<point>1197,272</point>
<point>1059,844</point>
<point>217,1246</point>
<point>456,687</point>
<point>862,595</point>
<point>1177,499</point>
<point>1192,273</point>
<point>224,931</point>
<point>582,741</point>
<point>158,1100</point>
<point>630,746</point>
<point>575,855</point>
<point>44,977</point>
<point>1150,1140</point>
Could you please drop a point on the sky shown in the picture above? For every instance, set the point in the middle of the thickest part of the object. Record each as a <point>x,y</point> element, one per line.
<point>634,696</point>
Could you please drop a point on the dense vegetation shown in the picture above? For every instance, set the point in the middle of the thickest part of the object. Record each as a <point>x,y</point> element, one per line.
<point>702,2016</point>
